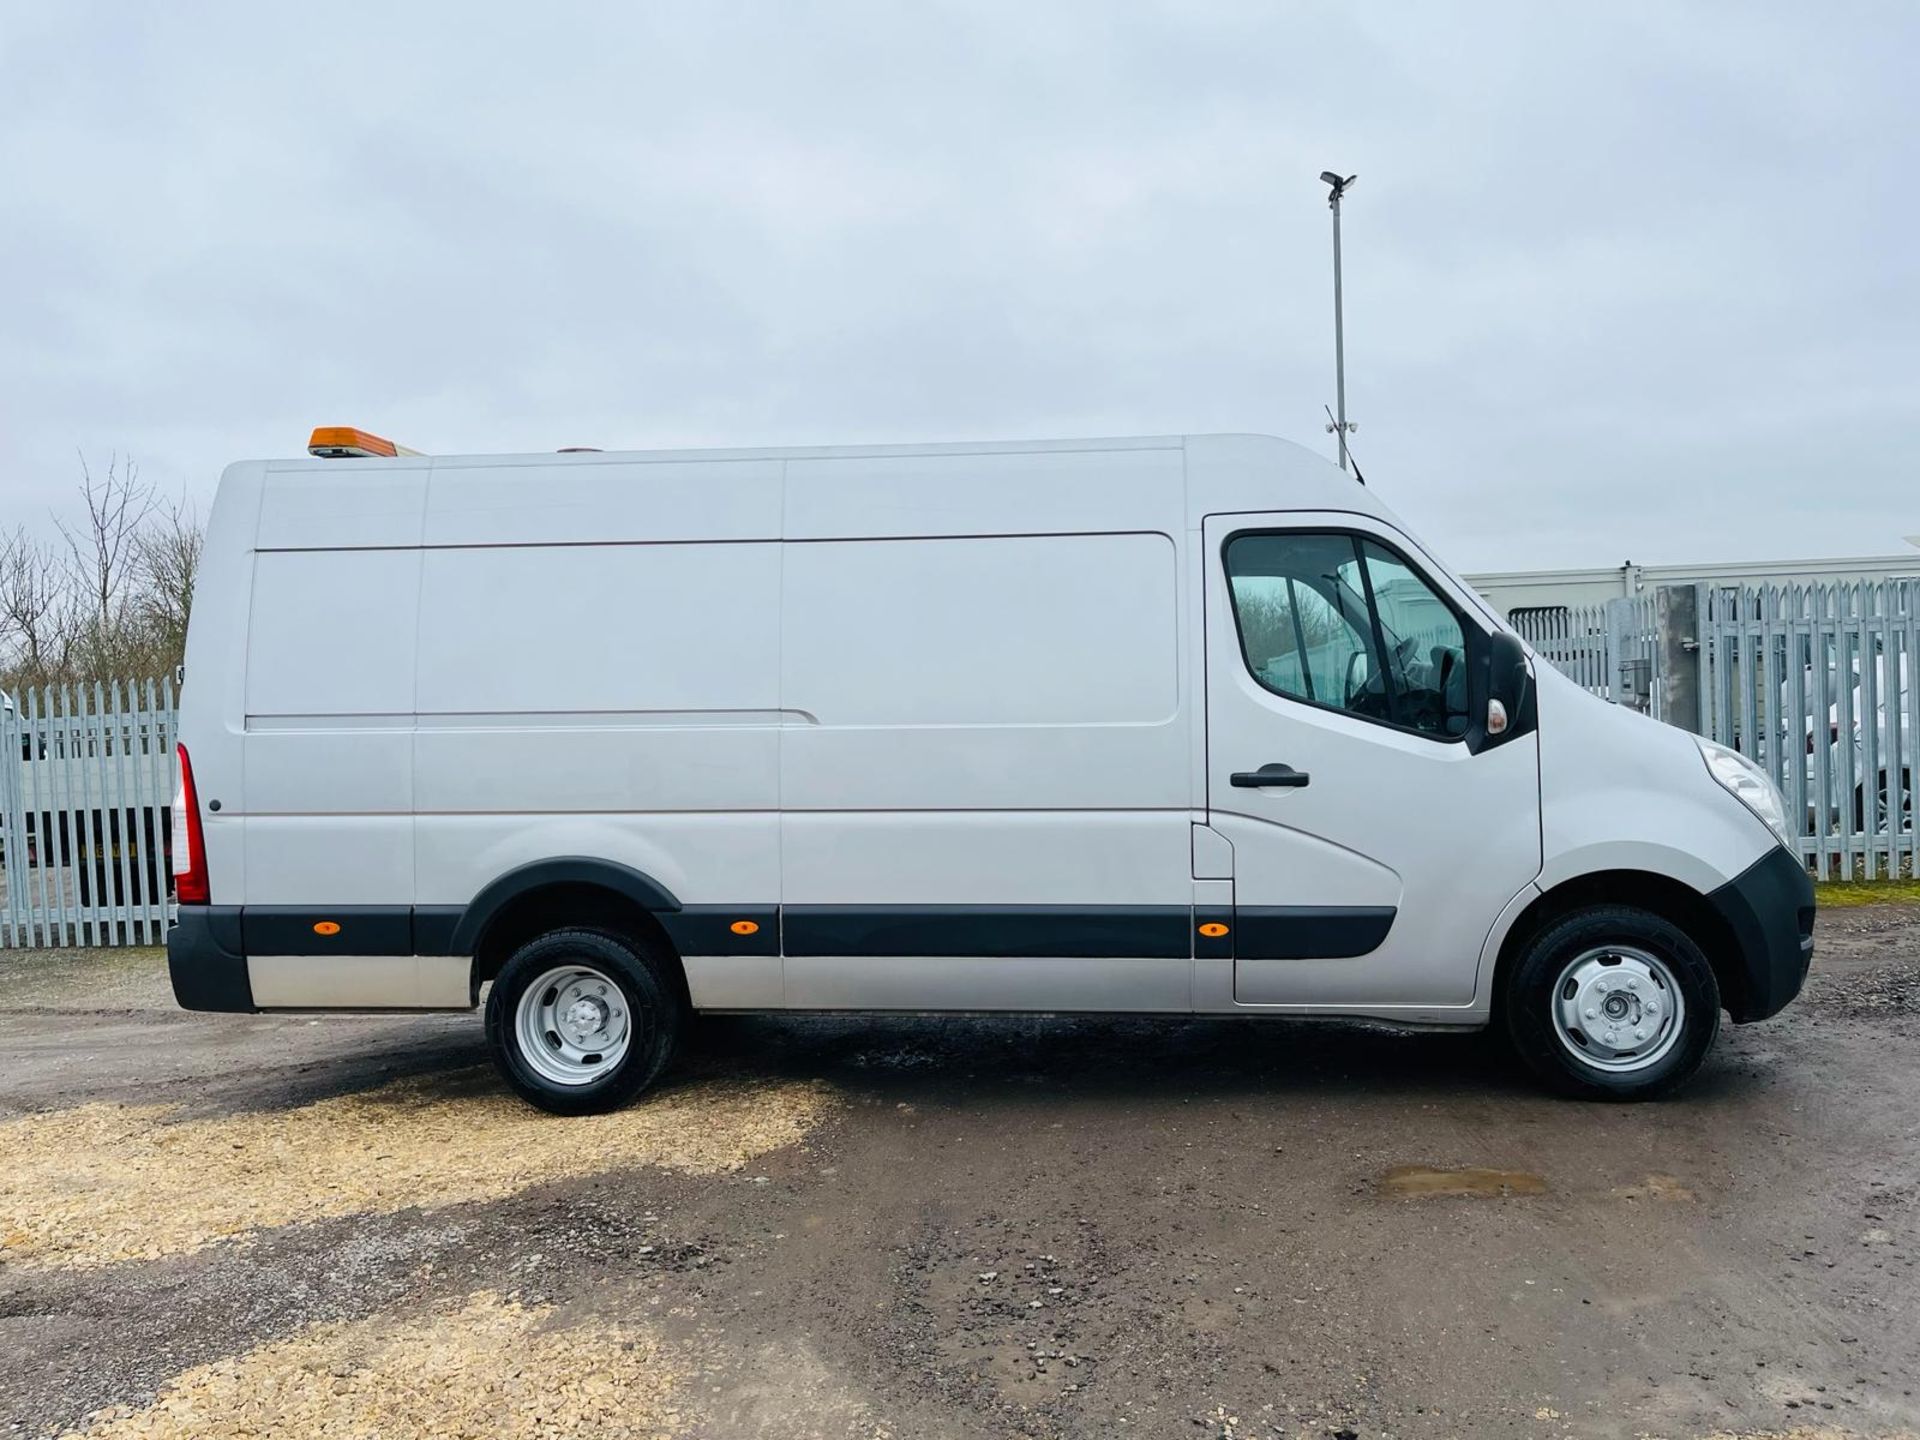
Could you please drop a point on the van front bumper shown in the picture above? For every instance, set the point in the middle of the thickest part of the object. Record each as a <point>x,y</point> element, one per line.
<point>207,959</point>
<point>1768,908</point>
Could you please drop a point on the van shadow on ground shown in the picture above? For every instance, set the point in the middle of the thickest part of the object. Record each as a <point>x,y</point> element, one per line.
<point>989,1060</point>
<point>978,1060</point>
<point>1000,1058</point>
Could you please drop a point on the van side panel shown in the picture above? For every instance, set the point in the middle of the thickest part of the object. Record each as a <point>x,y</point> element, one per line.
<point>328,797</point>
<point>990,787</point>
<point>584,694</point>
<point>986,491</point>
<point>664,630</point>
<point>620,701</point>
<point>324,505</point>
<point>522,500</point>
<point>1035,673</point>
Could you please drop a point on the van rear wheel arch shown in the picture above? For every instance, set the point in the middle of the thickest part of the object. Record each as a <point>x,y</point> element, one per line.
<point>646,893</point>
<point>569,904</point>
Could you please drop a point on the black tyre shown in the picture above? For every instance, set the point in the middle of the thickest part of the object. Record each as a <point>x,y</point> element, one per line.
<point>581,1021</point>
<point>1612,1003</point>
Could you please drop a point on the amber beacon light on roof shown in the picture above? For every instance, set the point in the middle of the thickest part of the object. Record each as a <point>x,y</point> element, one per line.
<point>345,442</point>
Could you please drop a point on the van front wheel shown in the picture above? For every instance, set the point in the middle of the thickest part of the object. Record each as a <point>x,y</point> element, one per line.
<point>1612,1003</point>
<point>580,1021</point>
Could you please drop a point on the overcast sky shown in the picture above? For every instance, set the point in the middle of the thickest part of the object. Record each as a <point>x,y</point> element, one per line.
<point>1624,281</point>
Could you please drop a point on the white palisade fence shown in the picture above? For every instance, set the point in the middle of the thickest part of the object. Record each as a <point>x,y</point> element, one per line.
<point>1592,643</point>
<point>1816,683</point>
<point>86,786</point>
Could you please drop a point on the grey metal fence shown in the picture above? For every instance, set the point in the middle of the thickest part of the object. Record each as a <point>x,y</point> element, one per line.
<point>86,793</point>
<point>1813,682</point>
<point>1609,648</point>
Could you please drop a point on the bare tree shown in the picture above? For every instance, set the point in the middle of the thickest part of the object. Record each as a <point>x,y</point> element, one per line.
<point>34,611</point>
<point>108,600</point>
<point>103,548</point>
<point>168,564</point>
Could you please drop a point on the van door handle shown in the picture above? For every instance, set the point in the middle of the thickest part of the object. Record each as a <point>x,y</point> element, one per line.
<point>1275,774</point>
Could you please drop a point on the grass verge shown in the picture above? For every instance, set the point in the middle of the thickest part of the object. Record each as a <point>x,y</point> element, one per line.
<point>1844,893</point>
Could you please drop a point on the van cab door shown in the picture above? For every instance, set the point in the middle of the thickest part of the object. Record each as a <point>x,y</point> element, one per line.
<point>1375,838</point>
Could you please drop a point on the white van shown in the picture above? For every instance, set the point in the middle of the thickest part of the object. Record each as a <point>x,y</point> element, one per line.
<point>1176,725</point>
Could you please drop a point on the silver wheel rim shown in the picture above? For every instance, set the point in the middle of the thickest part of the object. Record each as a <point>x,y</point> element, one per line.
<point>572,1025</point>
<point>1618,1009</point>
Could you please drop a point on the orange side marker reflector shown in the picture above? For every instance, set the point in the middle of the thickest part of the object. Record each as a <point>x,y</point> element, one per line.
<point>1213,929</point>
<point>744,927</point>
<point>326,927</point>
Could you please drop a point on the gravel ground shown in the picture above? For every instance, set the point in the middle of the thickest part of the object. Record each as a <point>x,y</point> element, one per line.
<point>217,1225</point>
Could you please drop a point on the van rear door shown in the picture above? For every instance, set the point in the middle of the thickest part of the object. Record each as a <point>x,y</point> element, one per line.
<point>1372,849</point>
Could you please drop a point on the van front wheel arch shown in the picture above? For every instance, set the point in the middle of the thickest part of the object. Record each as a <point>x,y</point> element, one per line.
<point>581,1021</point>
<point>1611,1002</point>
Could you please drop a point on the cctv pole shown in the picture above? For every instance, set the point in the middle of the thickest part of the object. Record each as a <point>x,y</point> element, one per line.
<point>1336,188</point>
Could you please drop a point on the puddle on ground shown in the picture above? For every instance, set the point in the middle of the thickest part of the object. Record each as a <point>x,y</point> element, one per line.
<point>481,1366</point>
<point>1417,1181</point>
<point>103,1183</point>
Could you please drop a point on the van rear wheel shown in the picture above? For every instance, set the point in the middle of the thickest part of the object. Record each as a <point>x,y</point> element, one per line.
<point>1612,1003</point>
<point>580,1021</point>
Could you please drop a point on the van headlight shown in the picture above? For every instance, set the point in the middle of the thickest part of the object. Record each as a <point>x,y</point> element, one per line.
<point>1750,785</point>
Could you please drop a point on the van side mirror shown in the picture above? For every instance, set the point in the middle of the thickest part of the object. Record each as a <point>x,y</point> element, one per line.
<point>1504,710</point>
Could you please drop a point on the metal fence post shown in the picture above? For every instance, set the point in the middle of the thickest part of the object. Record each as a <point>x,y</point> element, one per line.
<point>1676,621</point>
<point>1627,674</point>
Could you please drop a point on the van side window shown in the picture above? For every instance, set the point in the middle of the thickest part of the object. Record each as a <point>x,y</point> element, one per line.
<point>1338,620</point>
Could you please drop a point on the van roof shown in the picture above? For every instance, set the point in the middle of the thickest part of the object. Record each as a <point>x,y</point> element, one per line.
<point>591,456</point>
<point>1259,462</point>
<point>1045,484</point>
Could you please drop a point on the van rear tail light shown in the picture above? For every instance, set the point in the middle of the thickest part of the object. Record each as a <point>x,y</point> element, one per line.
<point>189,846</point>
